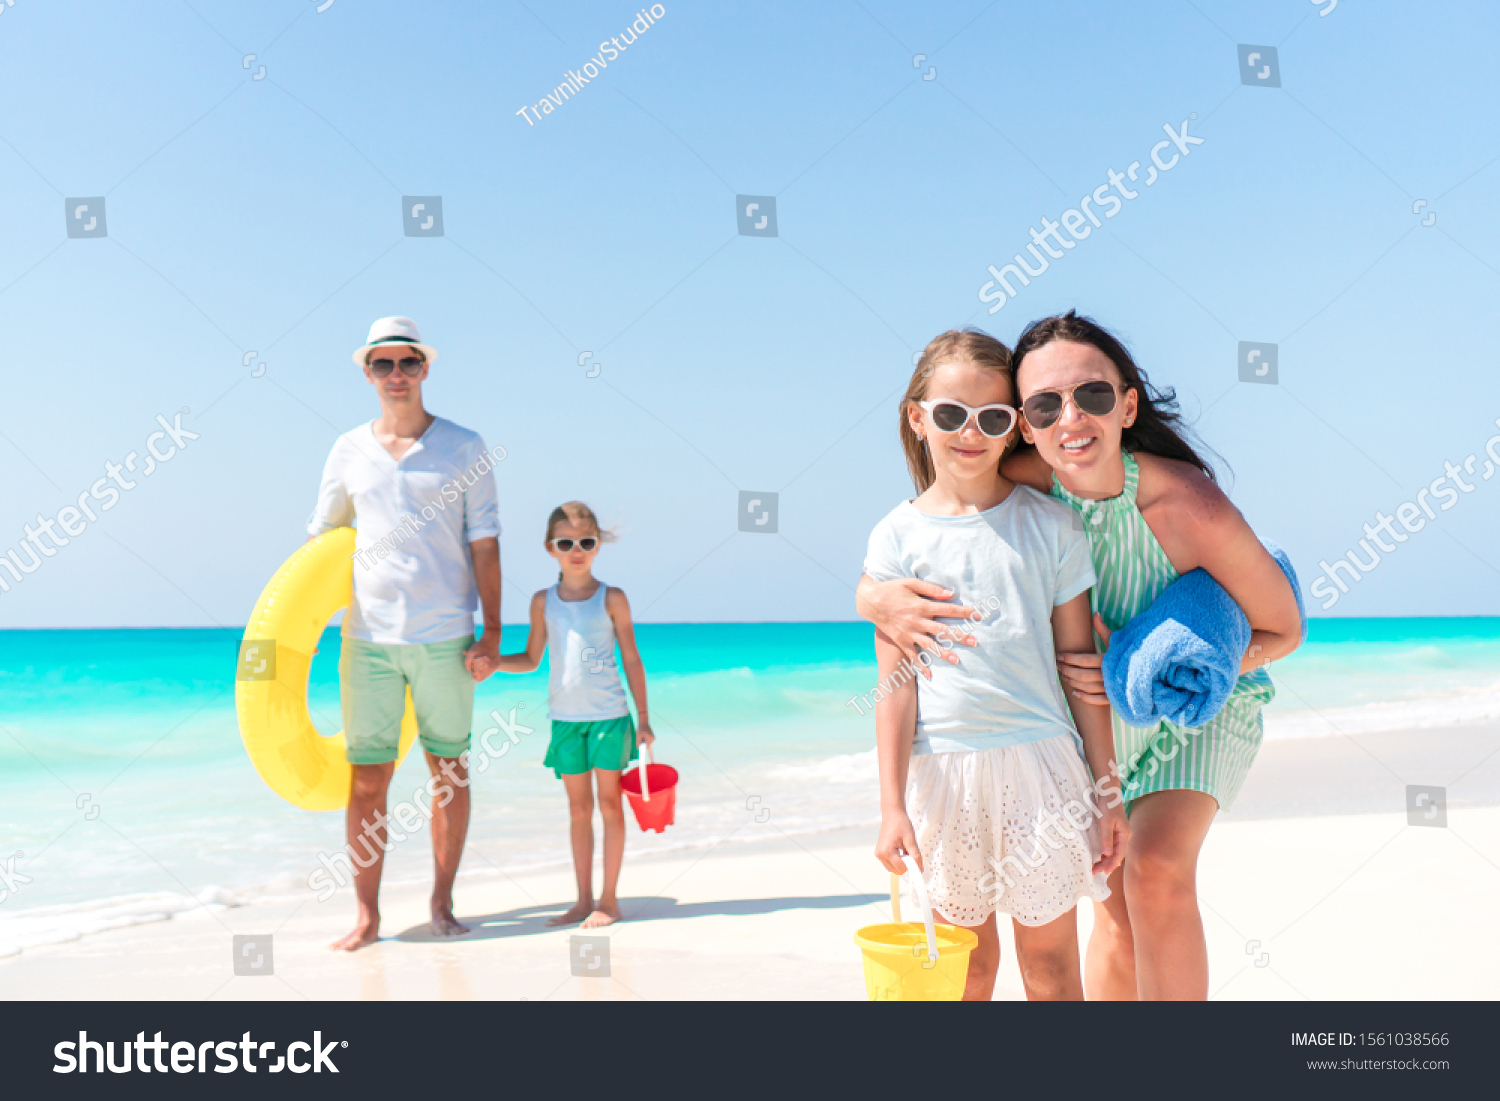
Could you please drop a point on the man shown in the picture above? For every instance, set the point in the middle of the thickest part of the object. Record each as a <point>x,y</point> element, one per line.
<point>421,492</point>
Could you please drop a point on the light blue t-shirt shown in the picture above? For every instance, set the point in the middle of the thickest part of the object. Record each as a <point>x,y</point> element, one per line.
<point>1015,562</point>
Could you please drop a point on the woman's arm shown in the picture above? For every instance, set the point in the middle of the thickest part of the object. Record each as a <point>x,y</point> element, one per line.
<point>635,673</point>
<point>906,611</point>
<point>895,726</point>
<point>1072,630</point>
<point>1198,526</point>
<point>536,641</point>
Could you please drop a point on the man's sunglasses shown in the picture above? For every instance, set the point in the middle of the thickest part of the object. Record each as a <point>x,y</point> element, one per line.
<point>1096,398</point>
<point>411,366</point>
<point>587,543</point>
<point>950,416</point>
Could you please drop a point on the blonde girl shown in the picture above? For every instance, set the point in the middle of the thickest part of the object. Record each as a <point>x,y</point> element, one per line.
<point>593,735</point>
<point>984,772</point>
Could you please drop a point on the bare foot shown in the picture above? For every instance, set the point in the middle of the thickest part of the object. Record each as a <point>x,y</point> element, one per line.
<point>580,911</point>
<point>606,913</point>
<point>366,932</point>
<point>444,924</point>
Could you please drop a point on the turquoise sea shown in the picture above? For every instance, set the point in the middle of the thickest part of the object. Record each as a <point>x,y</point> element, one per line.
<point>126,796</point>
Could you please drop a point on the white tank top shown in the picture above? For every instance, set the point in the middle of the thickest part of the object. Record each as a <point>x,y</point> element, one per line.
<point>585,685</point>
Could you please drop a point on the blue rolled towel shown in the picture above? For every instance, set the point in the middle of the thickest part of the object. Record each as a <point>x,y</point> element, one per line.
<point>1291,575</point>
<point>1180,658</point>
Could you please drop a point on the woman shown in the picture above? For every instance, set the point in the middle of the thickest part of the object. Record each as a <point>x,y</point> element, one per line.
<point>1109,444</point>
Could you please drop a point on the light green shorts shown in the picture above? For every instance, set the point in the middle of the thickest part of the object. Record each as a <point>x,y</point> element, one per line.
<point>373,678</point>
<point>1214,759</point>
<point>579,747</point>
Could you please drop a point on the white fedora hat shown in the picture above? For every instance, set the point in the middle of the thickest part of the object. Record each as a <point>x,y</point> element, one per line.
<point>395,331</point>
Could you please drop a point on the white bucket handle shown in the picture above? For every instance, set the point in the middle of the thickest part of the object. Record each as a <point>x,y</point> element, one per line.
<point>640,766</point>
<point>921,889</point>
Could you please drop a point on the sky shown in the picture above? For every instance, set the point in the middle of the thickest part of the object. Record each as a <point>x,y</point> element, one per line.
<point>600,315</point>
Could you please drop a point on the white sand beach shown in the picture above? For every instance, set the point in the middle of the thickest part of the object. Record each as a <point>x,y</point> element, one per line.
<point>1314,887</point>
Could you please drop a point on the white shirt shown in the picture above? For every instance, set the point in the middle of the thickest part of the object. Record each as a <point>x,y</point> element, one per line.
<point>1015,562</point>
<point>414,520</point>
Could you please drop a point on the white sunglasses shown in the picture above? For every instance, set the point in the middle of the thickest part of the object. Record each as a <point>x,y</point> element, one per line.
<point>950,416</point>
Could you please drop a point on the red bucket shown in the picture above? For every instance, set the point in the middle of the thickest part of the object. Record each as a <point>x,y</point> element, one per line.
<point>659,811</point>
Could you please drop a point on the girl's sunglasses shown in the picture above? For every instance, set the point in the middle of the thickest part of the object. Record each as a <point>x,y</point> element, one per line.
<point>411,366</point>
<point>1096,398</point>
<point>950,416</point>
<point>587,543</point>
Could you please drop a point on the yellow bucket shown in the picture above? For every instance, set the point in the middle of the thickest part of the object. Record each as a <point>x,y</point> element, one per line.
<point>900,965</point>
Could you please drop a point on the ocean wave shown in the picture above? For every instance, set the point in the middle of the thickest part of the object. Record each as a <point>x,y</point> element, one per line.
<point>847,768</point>
<point>45,925</point>
<point>1450,709</point>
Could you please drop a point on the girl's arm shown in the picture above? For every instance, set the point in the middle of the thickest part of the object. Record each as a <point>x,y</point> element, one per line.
<point>536,641</point>
<point>906,611</point>
<point>895,726</point>
<point>635,673</point>
<point>1072,630</point>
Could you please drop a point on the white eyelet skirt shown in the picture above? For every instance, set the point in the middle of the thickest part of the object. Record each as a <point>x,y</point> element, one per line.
<point>1008,829</point>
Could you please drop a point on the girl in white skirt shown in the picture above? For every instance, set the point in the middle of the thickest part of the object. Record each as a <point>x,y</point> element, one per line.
<point>985,774</point>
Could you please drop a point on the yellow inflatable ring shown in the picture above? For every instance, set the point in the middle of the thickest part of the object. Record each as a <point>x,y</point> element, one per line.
<point>270,691</point>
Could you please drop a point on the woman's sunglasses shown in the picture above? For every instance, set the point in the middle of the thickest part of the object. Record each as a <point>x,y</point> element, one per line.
<point>1096,398</point>
<point>587,543</point>
<point>411,366</point>
<point>950,416</point>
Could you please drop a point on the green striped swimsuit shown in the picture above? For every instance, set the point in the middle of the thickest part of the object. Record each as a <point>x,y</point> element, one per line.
<point>1132,570</point>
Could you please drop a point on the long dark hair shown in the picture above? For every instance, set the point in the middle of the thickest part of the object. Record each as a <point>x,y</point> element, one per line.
<point>1159,428</point>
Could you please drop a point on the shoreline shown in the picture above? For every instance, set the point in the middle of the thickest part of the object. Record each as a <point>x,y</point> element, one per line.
<point>777,920</point>
<point>1303,780</point>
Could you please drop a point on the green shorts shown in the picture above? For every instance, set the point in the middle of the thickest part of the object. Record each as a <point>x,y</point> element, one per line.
<point>373,678</point>
<point>579,747</point>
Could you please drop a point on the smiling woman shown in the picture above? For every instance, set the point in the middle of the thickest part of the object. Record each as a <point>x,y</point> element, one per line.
<point>1149,419</point>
